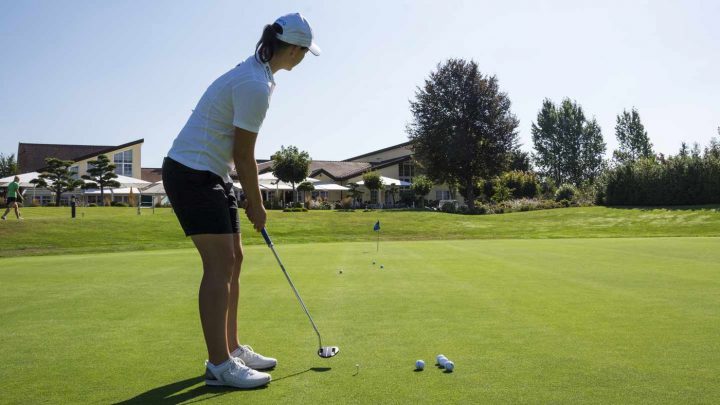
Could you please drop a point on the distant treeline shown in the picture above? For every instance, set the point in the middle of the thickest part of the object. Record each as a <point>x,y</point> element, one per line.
<point>690,178</point>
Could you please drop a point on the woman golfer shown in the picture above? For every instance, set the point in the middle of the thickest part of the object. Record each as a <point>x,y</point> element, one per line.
<point>221,133</point>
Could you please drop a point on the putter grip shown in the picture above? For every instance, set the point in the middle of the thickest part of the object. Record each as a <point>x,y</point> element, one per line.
<point>266,236</point>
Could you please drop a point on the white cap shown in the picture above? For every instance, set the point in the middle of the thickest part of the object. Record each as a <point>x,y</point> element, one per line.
<point>297,31</point>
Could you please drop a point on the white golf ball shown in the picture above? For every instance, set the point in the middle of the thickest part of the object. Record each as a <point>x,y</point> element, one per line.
<point>449,365</point>
<point>441,359</point>
<point>419,365</point>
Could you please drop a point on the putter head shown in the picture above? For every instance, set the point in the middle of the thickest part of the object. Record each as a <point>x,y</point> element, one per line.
<point>328,351</point>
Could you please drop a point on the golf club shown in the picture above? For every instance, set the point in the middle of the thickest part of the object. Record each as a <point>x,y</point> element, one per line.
<point>323,351</point>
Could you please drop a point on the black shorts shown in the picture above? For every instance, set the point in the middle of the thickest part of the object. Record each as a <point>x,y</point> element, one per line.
<point>202,201</point>
<point>11,200</point>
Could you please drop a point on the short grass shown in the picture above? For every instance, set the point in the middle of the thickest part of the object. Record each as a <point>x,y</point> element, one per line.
<point>103,229</point>
<point>604,320</point>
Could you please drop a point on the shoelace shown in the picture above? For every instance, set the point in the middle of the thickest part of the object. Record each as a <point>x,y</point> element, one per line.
<point>239,365</point>
<point>249,351</point>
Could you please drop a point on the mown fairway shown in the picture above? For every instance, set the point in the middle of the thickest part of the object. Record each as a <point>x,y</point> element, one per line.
<point>605,320</point>
<point>102,229</point>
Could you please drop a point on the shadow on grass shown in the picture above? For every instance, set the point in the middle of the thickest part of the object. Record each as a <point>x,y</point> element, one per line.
<point>170,393</point>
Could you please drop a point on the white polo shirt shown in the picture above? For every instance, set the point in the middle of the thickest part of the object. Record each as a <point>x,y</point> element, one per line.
<point>239,98</point>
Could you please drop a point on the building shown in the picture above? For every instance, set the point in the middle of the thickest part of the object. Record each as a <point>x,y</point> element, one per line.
<point>126,158</point>
<point>394,162</point>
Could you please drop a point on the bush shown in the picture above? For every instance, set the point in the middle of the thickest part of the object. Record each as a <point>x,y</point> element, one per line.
<point>118,204</point>
<point>92,205</point>
<point>565,192</point>
<point>521,184</point>
<point>679,180</point>
<point>450,207</point>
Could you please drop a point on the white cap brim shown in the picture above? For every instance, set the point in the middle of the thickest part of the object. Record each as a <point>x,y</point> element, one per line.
<point>314,49</point>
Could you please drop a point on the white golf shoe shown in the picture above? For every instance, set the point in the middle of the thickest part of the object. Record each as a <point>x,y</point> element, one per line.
<point>252,359</point>
<point>234,373</point>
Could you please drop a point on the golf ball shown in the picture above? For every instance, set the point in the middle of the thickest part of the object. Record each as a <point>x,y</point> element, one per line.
<point>449,365</point>
<point>419,365</point>
<point>441,359</point>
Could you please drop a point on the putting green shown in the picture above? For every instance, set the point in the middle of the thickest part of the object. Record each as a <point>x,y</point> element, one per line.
<point>525,321</point>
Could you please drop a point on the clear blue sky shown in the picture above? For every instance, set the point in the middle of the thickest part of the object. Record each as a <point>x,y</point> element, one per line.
<point>109,72</point>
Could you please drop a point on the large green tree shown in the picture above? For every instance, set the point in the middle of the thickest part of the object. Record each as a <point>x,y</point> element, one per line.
<point>57,177</point>
<point>8,165</point>
<point>462,128</point>
<point>291,166</point>
<point>568,147</point>
<point>421,185</point>
<point>100,175</point>
<point>632,137</point>
<point>373,182</point>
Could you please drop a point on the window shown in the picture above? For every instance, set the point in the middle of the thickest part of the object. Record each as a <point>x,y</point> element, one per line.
<point>373,196</point>
<point>123,163</point>
<point>442,195</point>
<point>406,171</point>
<point>74,172</point>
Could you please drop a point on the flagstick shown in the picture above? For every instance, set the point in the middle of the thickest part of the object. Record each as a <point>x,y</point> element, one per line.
<point>378,242</point>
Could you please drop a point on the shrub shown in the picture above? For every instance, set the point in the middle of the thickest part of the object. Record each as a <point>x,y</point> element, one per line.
<point>118,204</point>
<point>521,184</point>
<point>449,207</point>
<point>92,205</point>
<point>50,204</point>
<point>565,192</point>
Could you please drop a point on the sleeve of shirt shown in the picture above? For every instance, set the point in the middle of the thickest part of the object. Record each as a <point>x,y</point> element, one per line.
<point>251,101</point>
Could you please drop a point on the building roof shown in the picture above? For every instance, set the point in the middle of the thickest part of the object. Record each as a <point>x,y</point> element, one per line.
<point>151,174</point>
<point>31,156</point>
<point>400,145</point>
<point>335,170</point>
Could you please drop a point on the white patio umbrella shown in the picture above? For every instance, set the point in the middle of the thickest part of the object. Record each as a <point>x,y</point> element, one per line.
<point>24,179</point>
<point>387,181</point>
<point>155,188</point>
<point>330,187</point>
<point>269,178</point>
<point>126,181</point>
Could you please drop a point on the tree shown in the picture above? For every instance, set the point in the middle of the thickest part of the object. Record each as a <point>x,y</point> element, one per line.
<point>520,161</point>
<point>101,175</point>
<point>462,128</point>
<point>569,148</point>
<point>394,190</point>
<point>421,185</point>
<point>306,187</point>
<point>354,193</point>
<point>57,178</point>
<point>8,165</point>
<point>291,166</point>
<point>373,181</point>
<point>632,138</point>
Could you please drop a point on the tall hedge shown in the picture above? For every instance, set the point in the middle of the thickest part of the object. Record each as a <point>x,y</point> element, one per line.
<point>678,180</point>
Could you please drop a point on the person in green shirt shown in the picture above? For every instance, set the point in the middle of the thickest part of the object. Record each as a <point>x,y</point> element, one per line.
<point>13,196</point>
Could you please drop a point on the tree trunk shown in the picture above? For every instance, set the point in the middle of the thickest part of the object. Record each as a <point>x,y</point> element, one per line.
<point>470,187</point>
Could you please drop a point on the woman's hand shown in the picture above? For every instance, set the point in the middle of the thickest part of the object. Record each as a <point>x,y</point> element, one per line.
<point>256,214</point>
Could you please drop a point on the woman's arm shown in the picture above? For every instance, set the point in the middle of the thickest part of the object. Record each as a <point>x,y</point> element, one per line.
<point>246,168</point>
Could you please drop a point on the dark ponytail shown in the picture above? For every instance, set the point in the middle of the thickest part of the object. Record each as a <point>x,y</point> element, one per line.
<point>268,43</point>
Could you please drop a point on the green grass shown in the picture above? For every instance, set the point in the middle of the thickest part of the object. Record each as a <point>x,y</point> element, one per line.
<point>605,320</point>
<point>102,229</point>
